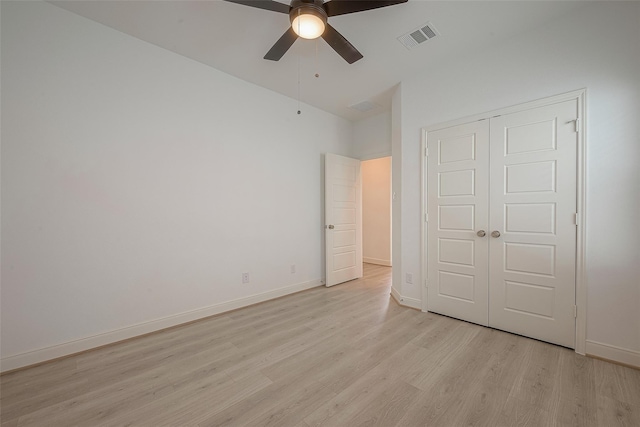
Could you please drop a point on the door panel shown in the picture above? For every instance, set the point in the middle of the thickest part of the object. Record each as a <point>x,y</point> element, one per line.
<point>533,202</point>
<point>455,285</point>
<point>537,218</point>
<point>456,217</point>
<point>529,258</point>
<point>456,183</point>
<point>533,177</point>
<point>343,217</point>
<point>457,209</point>
<point>456,251</point>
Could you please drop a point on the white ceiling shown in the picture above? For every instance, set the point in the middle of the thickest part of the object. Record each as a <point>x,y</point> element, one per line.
<point>234,38</point>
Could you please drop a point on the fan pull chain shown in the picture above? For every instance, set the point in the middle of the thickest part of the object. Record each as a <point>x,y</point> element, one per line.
<point>299,83</point>
<point>317,73</point>
<point>299,112</point>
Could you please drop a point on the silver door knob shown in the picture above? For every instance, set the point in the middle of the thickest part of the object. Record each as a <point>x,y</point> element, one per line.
<point>495,233</point>
<point>330,227</point>
<point>481,233</point>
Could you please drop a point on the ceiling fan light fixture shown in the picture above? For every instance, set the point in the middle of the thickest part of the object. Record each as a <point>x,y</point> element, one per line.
<point>308,21</point>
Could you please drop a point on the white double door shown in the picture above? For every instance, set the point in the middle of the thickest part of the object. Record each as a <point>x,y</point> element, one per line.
<point>501,233</point>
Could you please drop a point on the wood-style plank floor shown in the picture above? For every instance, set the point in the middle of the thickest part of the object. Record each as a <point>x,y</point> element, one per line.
<point>341,356</point>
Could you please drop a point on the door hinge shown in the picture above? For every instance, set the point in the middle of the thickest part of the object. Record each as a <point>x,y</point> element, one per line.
<point>425,283</point>
<point>426,217</point>
<point>575,218</point>
<point>426,152</point>
<point>575,311</point>
<point>577,124</point>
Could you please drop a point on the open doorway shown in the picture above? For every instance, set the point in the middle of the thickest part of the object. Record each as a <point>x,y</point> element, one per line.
<point>376,212</point>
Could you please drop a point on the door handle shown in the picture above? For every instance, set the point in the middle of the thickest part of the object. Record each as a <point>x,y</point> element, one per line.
<point>330,227</point>
<point>481,233</point>
<point>495,233</point>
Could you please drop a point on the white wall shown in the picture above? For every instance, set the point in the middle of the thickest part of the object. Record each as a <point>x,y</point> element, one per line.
<point>376,211</point>
<point>372,137</point>
<point>138,185</point>
<point>396,191</point>
<point>567,54</point>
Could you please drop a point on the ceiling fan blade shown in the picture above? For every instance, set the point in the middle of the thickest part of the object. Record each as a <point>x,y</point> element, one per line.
<point>264,4</point>
<point>282,45</point>
<point>341,45</point>
<point>341,7</point>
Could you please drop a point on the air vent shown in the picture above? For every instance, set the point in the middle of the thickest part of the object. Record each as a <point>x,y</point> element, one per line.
<point>418,36</point>
<point>364,106</point>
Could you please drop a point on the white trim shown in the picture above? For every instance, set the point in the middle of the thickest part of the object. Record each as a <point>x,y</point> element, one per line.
<point>395,294</point>
<point>405,301</point>
<point>83,344</point>
<point>576,94</point>
<point>581,192</point>
<point>613,353</point>
<point>374,156</point>
<point>581,236</point>
<point>385,262</point>
<point>423,222</point>
<point>411,302</point>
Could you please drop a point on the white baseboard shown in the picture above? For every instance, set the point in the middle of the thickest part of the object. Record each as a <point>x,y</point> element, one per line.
<point>406,301</point>
<point>613,353</point>
<point>385,262</point>
<point>77,346</point>
<point>395,294</point>
<point>411,302</point>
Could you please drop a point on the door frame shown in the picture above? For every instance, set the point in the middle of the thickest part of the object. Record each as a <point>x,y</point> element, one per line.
<point>580,96</point>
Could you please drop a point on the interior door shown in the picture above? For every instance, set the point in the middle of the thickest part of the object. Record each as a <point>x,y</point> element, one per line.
<point>533,228</point>
<point>457,209</point>
<point>343,219</point>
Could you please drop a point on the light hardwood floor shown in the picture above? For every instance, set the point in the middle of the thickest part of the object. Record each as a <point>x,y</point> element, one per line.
<point>341,356</point>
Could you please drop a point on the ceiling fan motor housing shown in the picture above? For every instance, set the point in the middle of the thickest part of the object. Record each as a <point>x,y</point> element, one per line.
<point>308,7</point>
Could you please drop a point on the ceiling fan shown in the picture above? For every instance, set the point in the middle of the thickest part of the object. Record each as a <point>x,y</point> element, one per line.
<point>309,20</point>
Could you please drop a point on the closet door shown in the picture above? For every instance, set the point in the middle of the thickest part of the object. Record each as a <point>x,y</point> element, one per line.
<point>457,179</point>
<point>532,216</point>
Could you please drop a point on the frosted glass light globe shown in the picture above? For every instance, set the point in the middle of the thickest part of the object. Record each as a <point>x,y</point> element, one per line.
<point>308,26</point>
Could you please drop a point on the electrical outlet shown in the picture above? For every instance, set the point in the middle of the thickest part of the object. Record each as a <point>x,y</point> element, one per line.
<point>245,277</point>
<point>293,268</point>
<point>409,278</point>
